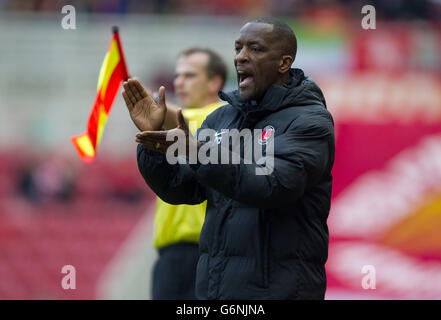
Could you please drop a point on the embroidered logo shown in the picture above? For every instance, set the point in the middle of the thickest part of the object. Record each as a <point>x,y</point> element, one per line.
<point>218,135</point>
<point>267,133</point>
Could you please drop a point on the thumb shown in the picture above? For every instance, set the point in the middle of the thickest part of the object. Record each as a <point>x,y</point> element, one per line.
<point>161,98</point>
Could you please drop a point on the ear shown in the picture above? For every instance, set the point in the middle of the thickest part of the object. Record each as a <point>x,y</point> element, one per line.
<point>285,63</point>
<point>215,85</point>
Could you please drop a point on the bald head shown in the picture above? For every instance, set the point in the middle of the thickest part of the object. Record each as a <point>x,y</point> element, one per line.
<point>283,35</point>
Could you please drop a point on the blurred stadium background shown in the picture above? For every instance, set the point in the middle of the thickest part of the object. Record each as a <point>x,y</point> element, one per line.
<point>383,87</point>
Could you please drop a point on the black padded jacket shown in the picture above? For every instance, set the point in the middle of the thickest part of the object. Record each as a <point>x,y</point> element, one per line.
<point>264,236</point>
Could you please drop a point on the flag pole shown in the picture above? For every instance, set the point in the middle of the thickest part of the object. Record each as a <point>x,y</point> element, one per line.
<point>115,31</point>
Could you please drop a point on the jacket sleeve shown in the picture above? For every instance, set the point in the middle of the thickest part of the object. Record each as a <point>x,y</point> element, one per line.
<point>302,155</point>
<point>174,184</point>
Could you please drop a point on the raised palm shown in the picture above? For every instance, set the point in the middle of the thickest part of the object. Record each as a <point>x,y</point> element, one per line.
<point>146,114</point>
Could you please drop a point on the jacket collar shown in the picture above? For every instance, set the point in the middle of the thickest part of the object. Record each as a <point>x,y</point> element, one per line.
<point>274,96</point>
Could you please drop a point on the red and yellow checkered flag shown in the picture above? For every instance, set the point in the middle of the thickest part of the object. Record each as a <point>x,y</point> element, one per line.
<point>113,71</point>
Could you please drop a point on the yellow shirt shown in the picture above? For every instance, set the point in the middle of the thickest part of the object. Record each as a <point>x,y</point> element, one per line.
<point>182,223</point>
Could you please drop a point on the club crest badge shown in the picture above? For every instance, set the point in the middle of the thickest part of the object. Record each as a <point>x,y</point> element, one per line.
<point>267,133</point>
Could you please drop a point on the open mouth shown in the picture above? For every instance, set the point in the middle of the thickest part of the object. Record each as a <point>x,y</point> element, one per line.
<point>244,78</point>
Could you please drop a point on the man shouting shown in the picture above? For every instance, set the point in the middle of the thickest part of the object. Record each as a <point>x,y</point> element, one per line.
<point>264,236</point>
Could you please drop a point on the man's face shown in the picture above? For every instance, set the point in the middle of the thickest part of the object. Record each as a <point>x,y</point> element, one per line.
<point>191,80</point>
<point>257,60</point>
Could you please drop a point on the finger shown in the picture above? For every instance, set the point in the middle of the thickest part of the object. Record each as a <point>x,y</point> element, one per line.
<point>160,134</point>
<point>151,140</point>
<point>152,135</point>
<point>134,89</point>
<point>127,101</point>
<point>154,145</point>
<point>128,91</point>
<point>148,133</point>
<point>161,98</point>
<point>139,87</point>
<point>159,140</point>
<point>181,119</point>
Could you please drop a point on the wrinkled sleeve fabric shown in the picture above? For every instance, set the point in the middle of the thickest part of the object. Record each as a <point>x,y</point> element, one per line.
<point>174,184</point>
<point>302,155</point>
